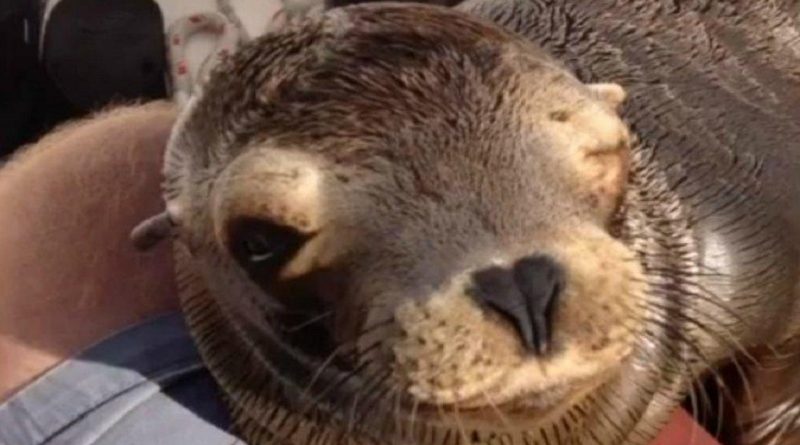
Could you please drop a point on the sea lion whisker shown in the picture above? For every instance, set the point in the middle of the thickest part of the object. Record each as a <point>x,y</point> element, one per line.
<point>376,325</point>
<point>706,295</point>
<point>357,354</point>
<point>397,412</point>
<point>373,396</point>
<point>462,431</point>
<point>500,415</point>
<point>351,418</point>
<point>601,401</point>
<point>744,380</point>
<point>340,381</point>
<point>720,414</point>
<point>320,370</point>
<point>695,386</point>
<point>443,415</point>
<point>724,340</point>
<point>413,418</point>
<point>695,407</point>
<point>349,348</point>
<point>698,355</point>
<point>310,321</point>
<point>727,338</point>
<point>669,329</point>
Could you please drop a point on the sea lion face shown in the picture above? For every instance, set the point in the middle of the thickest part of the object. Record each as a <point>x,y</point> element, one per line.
<point>420,203</point>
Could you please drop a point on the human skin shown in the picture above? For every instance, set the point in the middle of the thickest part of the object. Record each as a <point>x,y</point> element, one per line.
<point>69,275</point>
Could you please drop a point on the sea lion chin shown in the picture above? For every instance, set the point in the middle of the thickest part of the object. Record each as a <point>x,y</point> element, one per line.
<point>402,224</point>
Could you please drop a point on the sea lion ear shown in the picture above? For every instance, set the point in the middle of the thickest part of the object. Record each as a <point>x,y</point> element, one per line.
<point>611,93</point>
<point>151,231</point>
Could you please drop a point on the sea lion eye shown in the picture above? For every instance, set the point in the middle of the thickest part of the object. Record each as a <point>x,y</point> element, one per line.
<point>259,249</point>
<point>261,244</point>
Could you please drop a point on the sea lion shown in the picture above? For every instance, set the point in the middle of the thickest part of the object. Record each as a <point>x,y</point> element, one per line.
<point>403,224</point>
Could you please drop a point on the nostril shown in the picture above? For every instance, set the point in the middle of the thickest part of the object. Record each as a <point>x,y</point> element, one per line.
<point>526,295</point>
<point>540,281</point>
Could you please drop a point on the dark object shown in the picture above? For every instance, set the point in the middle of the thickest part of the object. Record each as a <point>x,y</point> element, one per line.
<point>94,53</point>
<point>98,51</point>
<point>526,295</point>
<point>19,74</point>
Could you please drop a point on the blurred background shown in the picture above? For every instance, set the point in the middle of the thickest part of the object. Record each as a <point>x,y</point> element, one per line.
<point>62,59</point>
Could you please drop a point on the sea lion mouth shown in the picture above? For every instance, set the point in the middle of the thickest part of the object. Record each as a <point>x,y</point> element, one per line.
<point>364,403</point>
<point>348,389</point>
<point>521,407</point>
<point>353,396</point>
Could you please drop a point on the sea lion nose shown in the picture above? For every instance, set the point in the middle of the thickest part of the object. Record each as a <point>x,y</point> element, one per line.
<point>526,294</point>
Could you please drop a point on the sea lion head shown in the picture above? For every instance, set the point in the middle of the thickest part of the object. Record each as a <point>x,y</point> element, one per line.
<point>414,223</point>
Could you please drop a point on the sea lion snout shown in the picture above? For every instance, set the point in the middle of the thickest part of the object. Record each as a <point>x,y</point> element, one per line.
<point>547,323</point>
<point>527,294</point>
